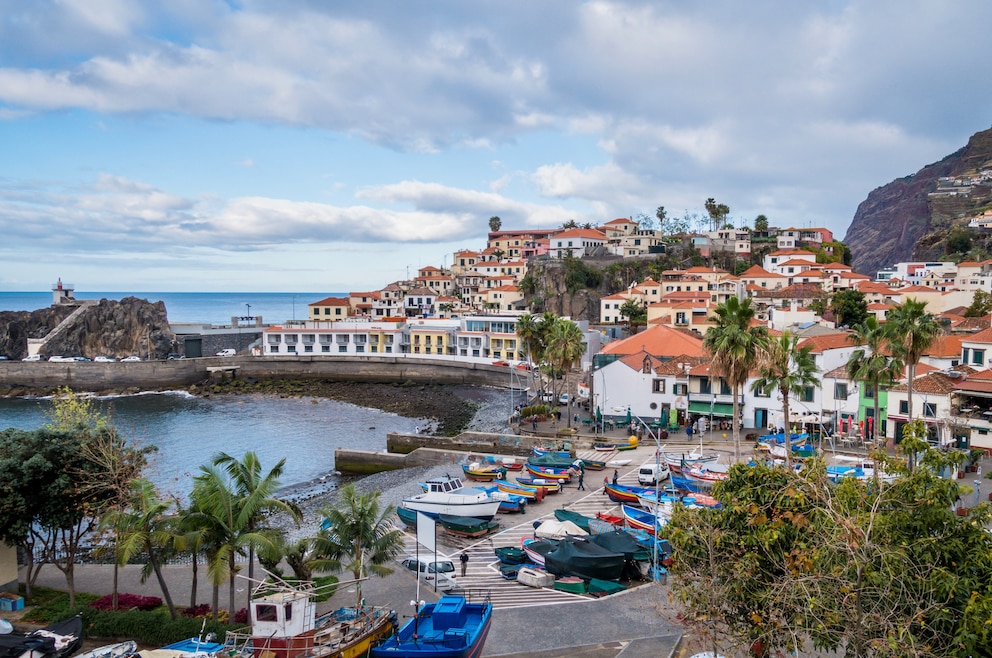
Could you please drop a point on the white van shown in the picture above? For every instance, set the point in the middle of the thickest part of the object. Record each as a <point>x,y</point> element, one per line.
<point>226,352</point>
<point>650,473</point>
<point>442,572</point>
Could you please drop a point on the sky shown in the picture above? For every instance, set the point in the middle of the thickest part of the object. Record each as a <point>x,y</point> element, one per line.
<point>313,146</point>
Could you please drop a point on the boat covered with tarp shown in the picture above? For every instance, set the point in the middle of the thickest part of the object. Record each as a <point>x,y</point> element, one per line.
<point>581,520</point>
<point>577,556</point>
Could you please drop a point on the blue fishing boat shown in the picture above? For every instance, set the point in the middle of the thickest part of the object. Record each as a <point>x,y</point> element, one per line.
<point>549,486</point>
<point>548,472</point>
<point>451,628</point>
<point>622,493</point>
<point>638,518</point>
<point>541,452</point>
<point>530,493</point>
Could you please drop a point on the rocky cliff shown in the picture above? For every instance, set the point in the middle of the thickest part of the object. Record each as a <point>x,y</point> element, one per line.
<point>108,328</point>
<point>896,217</point>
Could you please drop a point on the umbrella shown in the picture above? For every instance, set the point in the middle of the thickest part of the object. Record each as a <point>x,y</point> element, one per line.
<point>628,415</point>
<point>599,415</point>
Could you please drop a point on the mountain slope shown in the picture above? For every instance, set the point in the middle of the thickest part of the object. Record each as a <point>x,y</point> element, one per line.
<point>894,218</point>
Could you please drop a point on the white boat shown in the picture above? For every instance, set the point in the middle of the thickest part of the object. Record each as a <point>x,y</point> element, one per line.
<point>110,650</point>
<point>449,496</point>
<point>675,459</point>
<point>535,578</point>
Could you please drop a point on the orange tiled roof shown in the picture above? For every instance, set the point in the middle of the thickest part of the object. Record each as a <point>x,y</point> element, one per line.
<point>332,301</point>
<point>827,342</point>
<point>945,346</point>
<point>660,341</point>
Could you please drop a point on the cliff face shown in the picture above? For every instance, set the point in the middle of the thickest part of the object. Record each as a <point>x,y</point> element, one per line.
<point>108,328</point>
<point>894,218</point>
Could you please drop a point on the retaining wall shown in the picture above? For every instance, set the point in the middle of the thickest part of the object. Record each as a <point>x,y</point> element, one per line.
<point>92,376</point>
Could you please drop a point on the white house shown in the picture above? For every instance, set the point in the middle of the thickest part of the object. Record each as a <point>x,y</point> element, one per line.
<point>576,242</point>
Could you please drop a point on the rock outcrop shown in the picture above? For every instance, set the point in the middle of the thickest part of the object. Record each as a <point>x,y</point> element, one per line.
<point>108,328</point>
<point>893,220</point>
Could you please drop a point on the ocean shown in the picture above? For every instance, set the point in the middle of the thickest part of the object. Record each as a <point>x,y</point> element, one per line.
<point>205,307</point>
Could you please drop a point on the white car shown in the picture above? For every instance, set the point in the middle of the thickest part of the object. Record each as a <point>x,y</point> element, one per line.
<point>650,473</point>
<point>441,572</point>
<point>226,352</point>
<point>104,359</point>
<point>33,357</point>
<point>564,399</point>
<point>59,359</point>
<point>131,358</point>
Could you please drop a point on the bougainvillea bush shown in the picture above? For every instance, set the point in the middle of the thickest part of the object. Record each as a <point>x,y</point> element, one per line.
<point>127,602</point>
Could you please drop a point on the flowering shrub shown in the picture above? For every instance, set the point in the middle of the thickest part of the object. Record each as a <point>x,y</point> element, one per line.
<point>202,610</point>
<point>127,602</point>
<point>241,616</point>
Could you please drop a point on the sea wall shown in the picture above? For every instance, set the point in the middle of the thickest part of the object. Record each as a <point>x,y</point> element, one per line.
<point>151,375</point>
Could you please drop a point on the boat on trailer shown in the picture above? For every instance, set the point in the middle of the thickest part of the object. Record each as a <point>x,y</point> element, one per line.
<point>453,627</point>
<point>448,495</point>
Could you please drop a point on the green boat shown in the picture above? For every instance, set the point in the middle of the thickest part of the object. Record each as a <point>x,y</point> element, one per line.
<point>407,516</point>
<point>510,555</point>
<point>571,584</point>
<point>599,587</point>
<point>578,519</point>
<point>466,526</point>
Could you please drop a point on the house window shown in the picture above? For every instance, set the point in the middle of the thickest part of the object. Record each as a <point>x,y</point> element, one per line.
<point>869,392</point>
<point>325,348</point>
<point>308,348</point>
<point>725,388</point>
<point>978,357</point>
<point>273,349</point>
<point>342,349</point>
<point>929,409</point>
<point>359,348</point>
<point>904,406</point>
<point>840,391</point>
<point>704,386</point>
<point>680,389</point>
<point>807,395</point>
<point>658,386</point>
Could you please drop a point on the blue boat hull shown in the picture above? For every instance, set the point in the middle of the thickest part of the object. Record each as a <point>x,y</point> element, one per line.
<point>460,631</point>
<point>685,484</point>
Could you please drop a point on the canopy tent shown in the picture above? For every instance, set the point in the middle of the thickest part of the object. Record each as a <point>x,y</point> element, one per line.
<point>795,418</point>
<point>718,409</point>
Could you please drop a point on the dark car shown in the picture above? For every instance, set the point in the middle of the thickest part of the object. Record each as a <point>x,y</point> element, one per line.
<point>172,356</point>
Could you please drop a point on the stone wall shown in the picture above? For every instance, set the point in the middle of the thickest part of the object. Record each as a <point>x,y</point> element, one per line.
<point>151,375</point>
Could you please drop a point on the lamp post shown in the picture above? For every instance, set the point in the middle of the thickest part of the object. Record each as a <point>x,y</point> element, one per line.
<point>657,490</point>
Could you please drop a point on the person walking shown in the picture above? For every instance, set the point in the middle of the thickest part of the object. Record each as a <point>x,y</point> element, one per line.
<point>582,475</point>
<point>615,476</point>
<point>533,422</point>
<point>463,558</point>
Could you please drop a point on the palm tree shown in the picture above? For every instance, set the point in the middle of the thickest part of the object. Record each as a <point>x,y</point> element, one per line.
<point>225,510</point>
<point>789,370</point>
<point>257,494</point>
<point>870,365</point>
<point>144,527</point>
<point>735,347</point>
<point>565,346</point>
<point>359,536</point>
<point>910,330</point>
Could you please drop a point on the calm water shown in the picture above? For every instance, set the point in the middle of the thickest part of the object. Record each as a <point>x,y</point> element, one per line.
<point>188,431</point>
<point>210,307</point>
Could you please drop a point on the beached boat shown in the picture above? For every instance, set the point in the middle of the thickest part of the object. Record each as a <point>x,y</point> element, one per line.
<point>704,476</point>
<point>483,472</point>
<point>511,464</point>
<point>571,584</point>
<point>535,494</point>
<point>580,520</point>
<point>604,447</point>
<point>548,472</point>
<point>194,647</point>
<point>537,549</point>
<point>116,650</point>
<point>449,496</point>
<point>285,624</point>
<point>508,503</point>
<point>622,493</point>
<point>535,577</point>
<point>619,541</point>
<point>675,459</point>
<point>858,468</point>
<point>577,556</point>
<point>661,505</point>
<point>466,526</point>
<point>549,486</point>
<point>638,518</point>
<point>58,640</point>
<point>510,555</point>
<point>407,516</point>
<point>543,452</point>
<point>558,462</point>
<point>701,500</point>
<point>451,628</point>
<point>621,447</point>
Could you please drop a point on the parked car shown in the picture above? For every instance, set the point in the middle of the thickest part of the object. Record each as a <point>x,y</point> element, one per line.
<point>3,357</point>
<point>226,352</point>
<point>441,572</point>
<point>79,358</point>
<point>650,473</point>
<point>548,397</point>
<point>104,359</point>
<point>564,399</point>
<point>175,356</point>
<point>131,358</point>
<point>59,359</point>
<point>33,357</point>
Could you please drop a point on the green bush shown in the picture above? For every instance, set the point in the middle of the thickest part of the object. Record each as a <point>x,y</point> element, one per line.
<point>153,628</point>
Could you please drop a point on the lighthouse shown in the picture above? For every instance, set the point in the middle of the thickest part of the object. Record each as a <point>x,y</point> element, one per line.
<point>63,293</point>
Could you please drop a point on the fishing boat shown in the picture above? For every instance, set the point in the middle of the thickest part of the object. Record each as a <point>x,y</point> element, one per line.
<point>483,472</point>
<point>535,577</point>
<point>407,516</point>
<point>466,526</point>
<point>537,549</point>
<point>451,628</point>
<point>701,500</point>
<point>509,571</point>
<point>604,447</point>
<point>704,476</point>
<point>194,647</point>
<point>621,447</point>
<point>535,494</point>
<point>571,584</point>
<point>448,495</point>
<point>544,452</point>
<point>58,640</point>
<point>116,650</point>
<point>285,624</point>
<point>549,486</point>
<point>661,505</point>
<point>510,555</point>
<point>548,472</point>
<point>508,503</point>
<point>675,459</point>
<point>558,462</point>
<point>638,518</point>
<point>511,464</point>
<point>801,451</point>
<point>622,493</point>
<point>580,520</point>
<point>577,556</point>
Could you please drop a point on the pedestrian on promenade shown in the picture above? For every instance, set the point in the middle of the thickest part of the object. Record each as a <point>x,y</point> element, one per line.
<point>463,558</point>
<point>582,474</point>
<point>688,431</point>
<point>615,476</point>
<point>533,422</point>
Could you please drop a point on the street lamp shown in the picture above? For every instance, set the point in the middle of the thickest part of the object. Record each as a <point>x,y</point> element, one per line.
<point>657,490</point>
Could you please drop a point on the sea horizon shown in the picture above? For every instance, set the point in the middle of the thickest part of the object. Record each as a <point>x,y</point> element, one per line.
<point>192,307</point>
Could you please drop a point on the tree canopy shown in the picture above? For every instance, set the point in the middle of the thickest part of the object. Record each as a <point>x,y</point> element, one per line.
<point>849,306</point>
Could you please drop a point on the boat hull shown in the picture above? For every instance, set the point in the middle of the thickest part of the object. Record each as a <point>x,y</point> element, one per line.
<point>450,628</point>
<point>548,473</point>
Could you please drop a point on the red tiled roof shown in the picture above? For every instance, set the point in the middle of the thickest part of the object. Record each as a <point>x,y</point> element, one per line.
<point>945,346</point>
<point>934,383</point>
<point>332,301</point>
<point>827,342</point>
<point>660,341</point>
<point>590,233</point>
